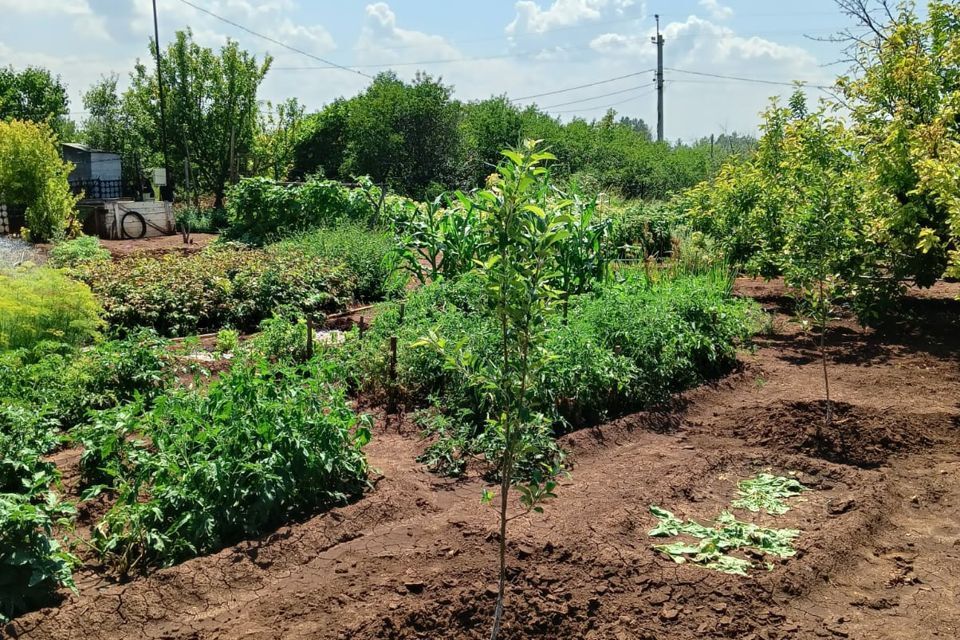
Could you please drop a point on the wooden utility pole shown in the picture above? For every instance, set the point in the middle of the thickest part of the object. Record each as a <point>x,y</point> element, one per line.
<point>659,42</point>
<point>163,119</point>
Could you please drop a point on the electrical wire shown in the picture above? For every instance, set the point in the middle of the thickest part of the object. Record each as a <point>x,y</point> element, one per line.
<point>275,41</point>
<point>611,105</point>
<point>741,78</point>
<point>597,97</point>
<point>531,35</point>
<point>582,86</point>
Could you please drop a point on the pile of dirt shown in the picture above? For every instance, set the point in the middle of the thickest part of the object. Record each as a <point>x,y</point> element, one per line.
<point>857,436</point>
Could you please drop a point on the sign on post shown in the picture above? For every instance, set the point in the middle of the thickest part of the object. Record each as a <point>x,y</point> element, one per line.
<point>159,176</point>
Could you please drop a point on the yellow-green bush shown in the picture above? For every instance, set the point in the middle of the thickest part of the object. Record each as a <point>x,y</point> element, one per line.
<point>44,304</point>
<point>33,174</point>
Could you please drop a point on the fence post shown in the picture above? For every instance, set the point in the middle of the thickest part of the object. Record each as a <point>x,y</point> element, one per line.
<point>392,400</point>
<point>309,338</point>
<point>362,327</point>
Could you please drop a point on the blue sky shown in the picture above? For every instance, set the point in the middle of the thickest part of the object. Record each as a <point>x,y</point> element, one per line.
<point>512,47</point>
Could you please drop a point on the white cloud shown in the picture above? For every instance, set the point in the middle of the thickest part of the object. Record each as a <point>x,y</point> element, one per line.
<point>620,44</point>
<point>530,18</point>
<point>85,22</point>
<point>381,40</point>
<point>315,38</point>
<point>716,10</point>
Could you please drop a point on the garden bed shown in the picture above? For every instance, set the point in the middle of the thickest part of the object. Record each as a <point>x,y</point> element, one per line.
<point>876,555</point>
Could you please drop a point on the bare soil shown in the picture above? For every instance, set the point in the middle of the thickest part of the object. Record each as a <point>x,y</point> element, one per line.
<point>158,245</point>
<point>878,558</point>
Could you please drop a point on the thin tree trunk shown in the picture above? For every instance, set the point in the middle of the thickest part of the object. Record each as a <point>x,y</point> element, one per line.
<point>501,588</point>
<point>828,418</point>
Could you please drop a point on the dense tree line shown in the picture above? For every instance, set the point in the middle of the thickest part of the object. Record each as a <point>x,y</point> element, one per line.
<point>415,137</point>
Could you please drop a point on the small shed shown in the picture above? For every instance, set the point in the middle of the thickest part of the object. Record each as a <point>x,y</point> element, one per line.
<point>98,173</point>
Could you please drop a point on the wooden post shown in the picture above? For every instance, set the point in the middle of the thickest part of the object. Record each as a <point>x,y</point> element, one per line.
<point>392,401</point>
<point>309,338</point>
<point>362,327</point>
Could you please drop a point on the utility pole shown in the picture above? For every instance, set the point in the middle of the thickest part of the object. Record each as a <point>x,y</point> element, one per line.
<point>163,119</point>
<point>659,42</point>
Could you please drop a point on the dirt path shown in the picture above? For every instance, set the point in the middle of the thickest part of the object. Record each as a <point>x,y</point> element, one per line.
<point>879,556</point>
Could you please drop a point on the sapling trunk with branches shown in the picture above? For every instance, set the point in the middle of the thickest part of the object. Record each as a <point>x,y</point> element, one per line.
<point>819,191</point>
<point>524,220</point>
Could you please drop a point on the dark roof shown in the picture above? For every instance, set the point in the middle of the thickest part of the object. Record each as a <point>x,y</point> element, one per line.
<point>84,148</point>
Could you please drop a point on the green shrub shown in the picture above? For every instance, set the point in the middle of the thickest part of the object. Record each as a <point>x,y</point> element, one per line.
<point>72,253</point>
<point>628,345</point>
<point>228,340</point>
<point>221,286</point>
<point>261,209</point>
<point>643,229</point>
<point>61,384</point>
<point>260,445</point>
<point>365,254</point>
<point>33,563</point>
<point>33,174</point>
<point>279,338</point>
<point>201,219</point>
<point>39,303</point>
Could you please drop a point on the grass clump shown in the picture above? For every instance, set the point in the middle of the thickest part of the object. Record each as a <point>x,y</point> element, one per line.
<point>76,252</point>
<point>364,253</point>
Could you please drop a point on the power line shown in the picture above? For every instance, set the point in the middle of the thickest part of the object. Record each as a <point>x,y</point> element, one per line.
<point>597,97</point>
<point>582,86</point>
<point>742,79</point>
<point>274,41</point>
<point>612,104</point>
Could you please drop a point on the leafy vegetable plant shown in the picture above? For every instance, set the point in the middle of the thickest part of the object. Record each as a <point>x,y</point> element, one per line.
<point>261,444</point>
<point>717,542</point>
<point>767,492</point>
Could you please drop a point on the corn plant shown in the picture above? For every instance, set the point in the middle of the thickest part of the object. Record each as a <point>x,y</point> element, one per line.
<point>583,258</point>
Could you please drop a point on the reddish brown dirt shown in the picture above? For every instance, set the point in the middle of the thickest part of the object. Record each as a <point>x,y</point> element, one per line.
<point>879,554</point>
<point>158,245</point>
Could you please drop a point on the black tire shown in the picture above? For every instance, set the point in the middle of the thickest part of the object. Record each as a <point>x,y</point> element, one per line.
<point>137,218</point>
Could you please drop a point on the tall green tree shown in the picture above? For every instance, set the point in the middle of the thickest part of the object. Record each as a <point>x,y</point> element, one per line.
<point>278,130</point>
<point>488,126</point>
<point>33,94</point>
<point>322,142</point>
<point>211,108</point>
<point>903,97</point>
<point>116,123</point>
<point>404,134</point>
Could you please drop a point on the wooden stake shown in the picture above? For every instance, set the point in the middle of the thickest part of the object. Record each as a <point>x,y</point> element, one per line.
<point>309,338</point>
<point>392,408</point>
